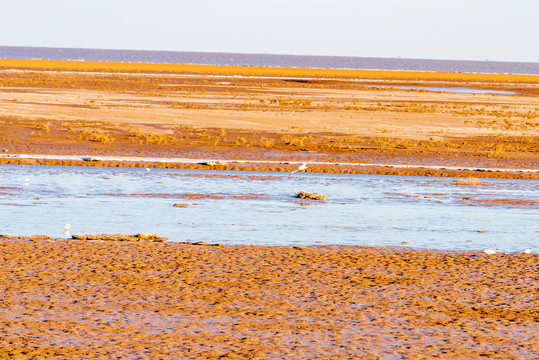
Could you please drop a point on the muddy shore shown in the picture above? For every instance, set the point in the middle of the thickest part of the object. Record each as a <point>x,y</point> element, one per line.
<point>272,114</point>
<point>66,299</point>
<point>96,299</point>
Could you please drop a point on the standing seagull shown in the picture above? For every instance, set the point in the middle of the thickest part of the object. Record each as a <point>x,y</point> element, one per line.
<point>301,167</point>
<point>65,230</point>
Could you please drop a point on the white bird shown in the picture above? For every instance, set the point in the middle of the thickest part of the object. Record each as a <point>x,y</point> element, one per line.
<point>65,230</point>
<point>27,181</point>
<point>303,166</point>
<point>147,169</point>
<point>490,251</point>
<point>527,251</point>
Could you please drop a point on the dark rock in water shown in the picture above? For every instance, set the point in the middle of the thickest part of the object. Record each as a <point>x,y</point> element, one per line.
<point>307,196</point>
<point>122,237</point>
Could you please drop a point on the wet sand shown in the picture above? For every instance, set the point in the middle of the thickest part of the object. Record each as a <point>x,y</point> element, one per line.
<point>231,113</point>
<point>97,299</point>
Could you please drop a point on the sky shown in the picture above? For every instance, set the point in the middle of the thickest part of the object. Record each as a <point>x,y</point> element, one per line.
<point>495,30</point>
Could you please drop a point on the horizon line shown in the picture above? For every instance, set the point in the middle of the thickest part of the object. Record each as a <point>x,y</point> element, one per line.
<point>267,54</point>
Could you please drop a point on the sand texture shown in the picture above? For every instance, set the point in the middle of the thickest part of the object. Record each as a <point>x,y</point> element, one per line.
<point>228,113</point>
<point>100,299</point>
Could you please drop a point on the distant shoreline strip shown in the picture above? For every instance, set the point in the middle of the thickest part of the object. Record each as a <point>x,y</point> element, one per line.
<point>234,70</point>
<point>269,60</point>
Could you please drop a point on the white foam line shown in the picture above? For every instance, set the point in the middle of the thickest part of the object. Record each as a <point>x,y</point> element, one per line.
<point>207,161</point>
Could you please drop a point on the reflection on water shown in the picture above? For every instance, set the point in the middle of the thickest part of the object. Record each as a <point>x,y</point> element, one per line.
<point>259,208</point>
<point>446,89</point>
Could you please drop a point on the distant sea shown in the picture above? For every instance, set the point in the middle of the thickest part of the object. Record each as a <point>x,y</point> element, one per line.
<point>300,61</point>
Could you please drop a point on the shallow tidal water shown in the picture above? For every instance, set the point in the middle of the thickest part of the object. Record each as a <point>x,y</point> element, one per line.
<point>259,208</point>
<point>462,90</point>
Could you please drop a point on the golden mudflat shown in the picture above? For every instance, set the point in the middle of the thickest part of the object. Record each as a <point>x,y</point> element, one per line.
<point>92,299</point>
<point>164,110</point>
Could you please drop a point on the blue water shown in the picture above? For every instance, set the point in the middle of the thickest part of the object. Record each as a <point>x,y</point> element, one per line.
<point>259,207</point>
<point>446,89</point>
<point>332,62</point>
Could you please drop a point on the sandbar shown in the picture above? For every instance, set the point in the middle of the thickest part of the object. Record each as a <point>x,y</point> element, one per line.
<point>274,114</point>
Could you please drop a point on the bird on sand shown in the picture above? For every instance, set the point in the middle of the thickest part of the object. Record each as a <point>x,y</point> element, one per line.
<point>303,166</point>
<point>65,230</point>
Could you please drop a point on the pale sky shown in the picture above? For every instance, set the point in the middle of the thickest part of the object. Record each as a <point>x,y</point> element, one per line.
<point>497,30</point>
